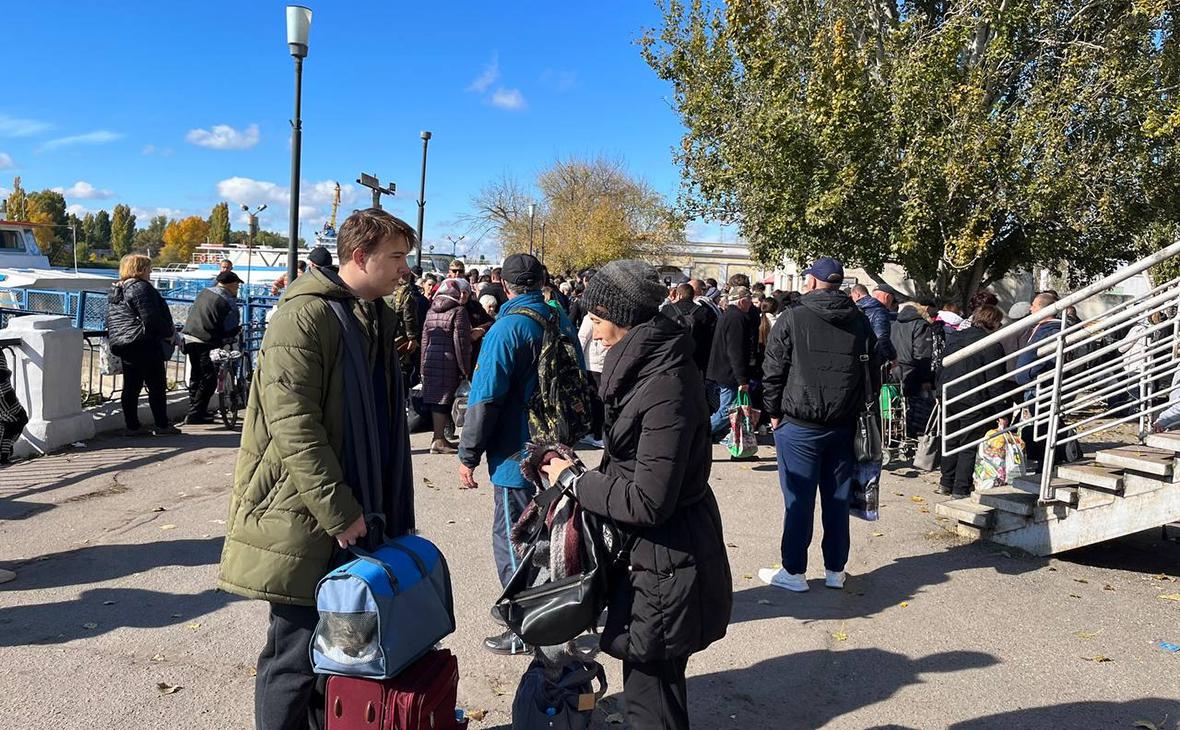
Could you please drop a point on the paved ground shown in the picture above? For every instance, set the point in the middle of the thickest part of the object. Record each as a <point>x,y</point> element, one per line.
<point>116,548</point>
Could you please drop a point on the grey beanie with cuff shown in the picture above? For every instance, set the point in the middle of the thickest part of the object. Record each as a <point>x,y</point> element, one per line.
<point>627,292</point>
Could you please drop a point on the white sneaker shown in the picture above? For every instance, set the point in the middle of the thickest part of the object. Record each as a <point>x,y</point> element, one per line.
<point>834,579</point>
<point>780,578</point>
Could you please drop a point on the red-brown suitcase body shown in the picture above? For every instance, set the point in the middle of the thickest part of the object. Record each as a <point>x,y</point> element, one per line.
<point>422,697</point>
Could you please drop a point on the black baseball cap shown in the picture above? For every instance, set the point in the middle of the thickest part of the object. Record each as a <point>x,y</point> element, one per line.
<point>228,277</point>
<point>521,269</point>
<point>320,257</point>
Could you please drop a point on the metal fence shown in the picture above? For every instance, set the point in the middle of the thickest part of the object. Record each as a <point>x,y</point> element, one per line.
<point>100,387</point>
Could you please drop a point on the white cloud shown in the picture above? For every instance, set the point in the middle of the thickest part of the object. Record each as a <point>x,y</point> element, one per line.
<point>151,149</point>
<point>508,99</point>
<point>16,127</point>
<point>101,136</point>
<point>315,199</point>
<point>84,191</point>
<point>224,137</point>
<point>489,76</point>
<point>4,192</point>
<point>6,162</point>
<point>79,210</point>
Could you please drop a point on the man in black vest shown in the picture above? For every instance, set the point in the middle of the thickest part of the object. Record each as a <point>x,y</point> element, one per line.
<point>820,359</point>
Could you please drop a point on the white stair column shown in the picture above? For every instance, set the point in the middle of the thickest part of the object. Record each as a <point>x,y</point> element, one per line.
<point>47,375</point>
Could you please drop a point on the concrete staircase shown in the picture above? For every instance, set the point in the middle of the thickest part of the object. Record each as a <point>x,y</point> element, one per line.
<point>1118,492</point>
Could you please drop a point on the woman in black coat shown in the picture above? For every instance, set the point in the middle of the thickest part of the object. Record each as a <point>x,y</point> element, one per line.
<point>141,332</point>
<point>984,367</point>
<point>675,594</point>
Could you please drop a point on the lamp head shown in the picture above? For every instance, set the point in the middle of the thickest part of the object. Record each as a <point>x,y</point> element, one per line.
<point>298,27</point>
<point>425,135</point>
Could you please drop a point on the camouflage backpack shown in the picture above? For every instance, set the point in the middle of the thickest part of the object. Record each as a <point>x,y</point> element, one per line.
<point>559,409</point>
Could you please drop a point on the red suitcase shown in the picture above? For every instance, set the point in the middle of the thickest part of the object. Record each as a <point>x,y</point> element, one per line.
<point>422,697</point>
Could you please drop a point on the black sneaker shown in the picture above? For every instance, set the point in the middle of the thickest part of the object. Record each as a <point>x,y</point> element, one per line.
<point>197,421</point>
<point>133,432</point>
<point>166,431</point>
<point>507,644</point>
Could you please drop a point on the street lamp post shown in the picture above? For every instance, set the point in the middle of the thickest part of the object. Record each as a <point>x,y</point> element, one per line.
<point>374,184</point>
<point>422,193</point>
<point>532,212</point>
<point>455,245</point>
<point>542,241</point>
<point>298,26</point>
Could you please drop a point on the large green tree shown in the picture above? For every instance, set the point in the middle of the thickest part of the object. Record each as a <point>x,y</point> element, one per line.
<point>151,239</point>
<point>100,234</point>
<point>219,224</point>
<point>122,230</point>
<point>957,138</point>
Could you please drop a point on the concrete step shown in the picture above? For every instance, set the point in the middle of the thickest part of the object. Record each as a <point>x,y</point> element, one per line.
<point>1008,499</point>
<point>967,511</point>
<point>1092,475</point>
<point>1157,462</point>
<point>1066,490</point>
<point>1166,441</point>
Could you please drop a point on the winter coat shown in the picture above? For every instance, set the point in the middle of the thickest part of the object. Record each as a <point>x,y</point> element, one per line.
<point>446,350</point>
<point>983,366</point>
<point>813,375</point>
<point>290,495</point>
<point>702,322</point>
<point>729,356</point>
<point>879,318</point>
<point>913,341</point>
<point>139,323</point>
<point>213,319</point>
<point>505,377</point>
<point>676,594</point>
<point>407,324</point>
<point>592,349</point>
<point>1043,330</point>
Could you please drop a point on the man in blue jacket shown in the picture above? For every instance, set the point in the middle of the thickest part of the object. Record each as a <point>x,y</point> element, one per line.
<point>497,412</point>
<point>879,318</point>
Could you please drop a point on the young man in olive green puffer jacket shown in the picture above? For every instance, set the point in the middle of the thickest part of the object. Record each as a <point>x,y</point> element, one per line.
<point>300,480</point>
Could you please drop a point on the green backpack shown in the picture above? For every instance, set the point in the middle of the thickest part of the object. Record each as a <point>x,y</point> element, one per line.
<point>559,409</point>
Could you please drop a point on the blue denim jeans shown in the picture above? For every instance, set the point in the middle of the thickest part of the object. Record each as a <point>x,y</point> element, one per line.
<point>811,458</point>
<point>719,421</point>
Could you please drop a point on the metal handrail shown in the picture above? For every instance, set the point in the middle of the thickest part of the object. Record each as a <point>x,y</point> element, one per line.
<point>1081,369</point>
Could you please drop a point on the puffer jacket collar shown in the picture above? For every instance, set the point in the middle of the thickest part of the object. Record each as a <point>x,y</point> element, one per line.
<point>655,346</point>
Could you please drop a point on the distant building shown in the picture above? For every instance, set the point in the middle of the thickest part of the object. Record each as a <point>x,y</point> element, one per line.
<point>706,260</point>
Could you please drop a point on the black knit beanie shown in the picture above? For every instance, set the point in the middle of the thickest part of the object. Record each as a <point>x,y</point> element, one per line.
<point>627,293</point>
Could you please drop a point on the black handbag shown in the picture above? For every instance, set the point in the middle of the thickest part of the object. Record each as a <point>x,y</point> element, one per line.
<point>557,611</point>
<point>867,438</point>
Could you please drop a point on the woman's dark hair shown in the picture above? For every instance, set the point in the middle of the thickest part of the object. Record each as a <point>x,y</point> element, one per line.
<point>769,306</point>
<point>982,298</point>
<point>987,318</point>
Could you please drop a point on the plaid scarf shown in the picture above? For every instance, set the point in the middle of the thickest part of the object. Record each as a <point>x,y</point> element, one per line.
<point>13,416</point>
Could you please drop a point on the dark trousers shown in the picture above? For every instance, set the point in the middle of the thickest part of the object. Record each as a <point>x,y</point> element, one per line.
<point>656,695</point>
<point>202,382</point>
<point>809,458</point>
<point>597,408</point>
<point>136,375</point>
<point>285,693</point>
<point>510,504</point>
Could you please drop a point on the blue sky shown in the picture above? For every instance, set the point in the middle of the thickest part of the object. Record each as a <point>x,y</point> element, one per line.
<point>172,107</point>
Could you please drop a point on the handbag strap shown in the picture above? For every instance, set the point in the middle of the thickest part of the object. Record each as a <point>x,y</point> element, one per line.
<point>864,359</point>
<point>586,675</point>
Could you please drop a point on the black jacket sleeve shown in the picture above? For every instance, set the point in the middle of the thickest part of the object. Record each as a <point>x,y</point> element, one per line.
<point>776,365</point>
<point>651,497</point>
<point>737,349</point>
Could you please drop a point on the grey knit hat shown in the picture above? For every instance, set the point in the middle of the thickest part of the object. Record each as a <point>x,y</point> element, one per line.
<point>627,293</point>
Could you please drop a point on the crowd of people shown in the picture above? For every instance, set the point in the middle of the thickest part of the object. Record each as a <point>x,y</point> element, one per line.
<point>353,346</point>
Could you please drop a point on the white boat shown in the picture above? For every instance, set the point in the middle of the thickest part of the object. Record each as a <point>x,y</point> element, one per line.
<point>23,266</point>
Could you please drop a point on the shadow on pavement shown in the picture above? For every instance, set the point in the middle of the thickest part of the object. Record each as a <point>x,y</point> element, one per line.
<point>1143,552</point>
<point>811,688</point>
<point>99,563</point>
<point>101,610</point>
<point>1157,711</point>
<point>870,593</point>
<point>101,456</point>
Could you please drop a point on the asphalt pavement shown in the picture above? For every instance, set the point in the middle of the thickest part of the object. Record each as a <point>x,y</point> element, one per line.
<point>114,622</point>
